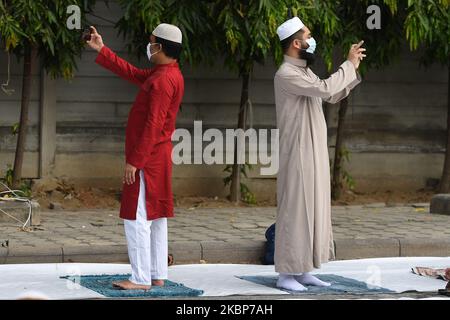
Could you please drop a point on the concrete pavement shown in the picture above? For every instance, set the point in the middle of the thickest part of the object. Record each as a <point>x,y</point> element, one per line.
<point>225,235</point>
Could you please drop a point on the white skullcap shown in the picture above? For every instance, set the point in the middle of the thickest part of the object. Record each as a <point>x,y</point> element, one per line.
<point>168,32</point>
<point>289,27</point>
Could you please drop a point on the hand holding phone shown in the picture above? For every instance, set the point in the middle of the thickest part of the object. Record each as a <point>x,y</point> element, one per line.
<point>93,39</point>
<point>356,54</point>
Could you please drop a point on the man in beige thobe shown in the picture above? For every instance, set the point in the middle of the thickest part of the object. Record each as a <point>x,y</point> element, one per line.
<point>303,234</point>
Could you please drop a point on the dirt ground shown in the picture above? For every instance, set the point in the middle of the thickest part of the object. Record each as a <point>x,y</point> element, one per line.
<point>388,197</point>
<point>63,195</point>
<point>60,194</point>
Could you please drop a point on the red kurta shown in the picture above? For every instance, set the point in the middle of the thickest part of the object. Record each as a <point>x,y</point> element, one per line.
<point>151,122</point>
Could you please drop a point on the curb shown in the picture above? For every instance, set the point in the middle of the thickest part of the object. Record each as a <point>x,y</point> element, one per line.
<point>244,251</point>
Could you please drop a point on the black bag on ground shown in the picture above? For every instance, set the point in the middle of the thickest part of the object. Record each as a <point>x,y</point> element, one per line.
<point>270,245</point>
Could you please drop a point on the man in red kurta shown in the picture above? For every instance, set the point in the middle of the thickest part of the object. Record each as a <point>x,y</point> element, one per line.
<point>147,199</point>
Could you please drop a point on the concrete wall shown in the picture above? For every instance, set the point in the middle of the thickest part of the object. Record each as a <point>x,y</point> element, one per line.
<point>10,114</point>
<point>395,124</point>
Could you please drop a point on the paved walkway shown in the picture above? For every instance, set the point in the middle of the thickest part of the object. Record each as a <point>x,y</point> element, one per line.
<point>226,235</point>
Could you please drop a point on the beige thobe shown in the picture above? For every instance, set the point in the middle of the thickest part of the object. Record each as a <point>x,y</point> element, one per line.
<point>303,233</point>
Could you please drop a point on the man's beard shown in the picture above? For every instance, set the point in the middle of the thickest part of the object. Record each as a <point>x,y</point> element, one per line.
<point>309,57</point>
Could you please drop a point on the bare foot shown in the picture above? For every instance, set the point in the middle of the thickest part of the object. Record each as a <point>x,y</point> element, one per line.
<point>158,283</point>
<point>128,285</point>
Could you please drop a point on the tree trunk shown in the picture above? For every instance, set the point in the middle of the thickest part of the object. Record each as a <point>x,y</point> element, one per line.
<point>337,165</point>
<point>444,186</point>
<point>235,188</point>
<point>28,64</point>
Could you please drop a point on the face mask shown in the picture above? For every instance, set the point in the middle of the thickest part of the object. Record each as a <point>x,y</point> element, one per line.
<point>149,54</point>
<point>312,45</point>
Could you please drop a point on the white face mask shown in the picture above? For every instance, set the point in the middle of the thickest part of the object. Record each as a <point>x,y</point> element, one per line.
<point>312,45</point>
<point>149,54</point>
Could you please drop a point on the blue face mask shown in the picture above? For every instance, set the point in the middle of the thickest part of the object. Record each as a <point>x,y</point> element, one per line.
<point>312,45</point>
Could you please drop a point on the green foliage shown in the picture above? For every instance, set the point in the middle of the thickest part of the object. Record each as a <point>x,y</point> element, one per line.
<point>227,180</point>
<point>15,129</point>
<point>246,195</point>
<point>383,45</point>
<point>245,32</point>
<point>192,17</point>
<point>25,187</point>
<point>320,16</point>
<point>427,24</point>
<point>346,178</point>
<point>42,24</point>
<point>241,32</point>
<point>9,176</point>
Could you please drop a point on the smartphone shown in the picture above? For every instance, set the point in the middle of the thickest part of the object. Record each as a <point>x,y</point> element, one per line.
<point>87,34</point>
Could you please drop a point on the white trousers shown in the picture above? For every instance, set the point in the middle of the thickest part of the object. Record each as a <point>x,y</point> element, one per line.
<point>147,243</point>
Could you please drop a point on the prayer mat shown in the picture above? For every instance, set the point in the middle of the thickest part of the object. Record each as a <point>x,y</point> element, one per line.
<point>339,285</point>
<point>102,284</point>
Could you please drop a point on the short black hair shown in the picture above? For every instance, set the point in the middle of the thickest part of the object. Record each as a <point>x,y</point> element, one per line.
<point>170,48</point>
<point>286,43</point>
